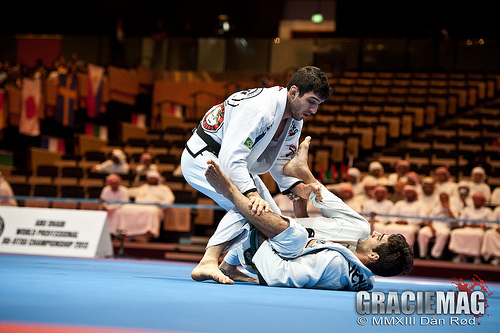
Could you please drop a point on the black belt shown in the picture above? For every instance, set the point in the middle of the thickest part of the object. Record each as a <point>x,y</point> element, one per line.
<point>254,245</point>
<point>212,145</point>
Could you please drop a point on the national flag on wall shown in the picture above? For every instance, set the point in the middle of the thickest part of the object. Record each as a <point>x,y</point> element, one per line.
<point>52,144</point>
<point>97,131</point>
<point>66,99</point>
<point>2,110</point>
<point>29,122</point>
<point>139,119</point>
<point>94,89</point>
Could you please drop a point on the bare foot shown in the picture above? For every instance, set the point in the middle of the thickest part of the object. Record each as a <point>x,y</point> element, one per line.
<point>235,274</point>
<point>295,167</point>
<point>210,271</point>
<point>217,179</point>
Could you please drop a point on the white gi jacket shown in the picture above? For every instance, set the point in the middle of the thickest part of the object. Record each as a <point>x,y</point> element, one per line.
<point>244,126</point>
<point>327,264</point>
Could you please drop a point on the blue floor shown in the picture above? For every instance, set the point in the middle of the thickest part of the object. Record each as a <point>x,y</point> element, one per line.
<point>160,295</point>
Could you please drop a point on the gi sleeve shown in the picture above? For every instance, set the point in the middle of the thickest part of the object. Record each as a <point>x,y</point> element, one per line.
<point>287,152</point>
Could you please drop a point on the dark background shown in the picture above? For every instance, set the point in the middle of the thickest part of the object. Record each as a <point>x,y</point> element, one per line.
<point>256,18</point>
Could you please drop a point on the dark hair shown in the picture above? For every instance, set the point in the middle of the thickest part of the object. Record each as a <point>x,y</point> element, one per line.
<point>395,257</point>
<point>313,79</point>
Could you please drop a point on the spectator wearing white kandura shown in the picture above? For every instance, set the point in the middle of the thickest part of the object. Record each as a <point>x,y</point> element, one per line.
<point>478,184</point>
<point>466,241</point>
<point>429,196</point>
<point>409,212</point>
<point>347,195</point>
<point>367,195</point>
<point>378,205</point>
<point>444,183</point>
<point>401,169</point>
<point>490,248</point>
<point>436,228</point>
<point>414,180</point>
<point>464,196</point>
<point>144,220</point>
<point>112,197</point>
<point>116,164</point>
<point>145,165</point>
<point>353,179</point>
<point>375,174</point>
<point>495,197</point>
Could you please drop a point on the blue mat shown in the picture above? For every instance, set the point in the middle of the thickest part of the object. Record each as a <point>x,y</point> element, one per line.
<point>160,295</point>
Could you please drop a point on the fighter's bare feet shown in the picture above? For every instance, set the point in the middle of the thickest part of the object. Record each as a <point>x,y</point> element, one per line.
<point>235,274</point>
<point>210,271</point>
<point>298,164</point>
<point>217,179</point>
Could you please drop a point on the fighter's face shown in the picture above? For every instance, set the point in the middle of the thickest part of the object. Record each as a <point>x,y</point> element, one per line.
<point>369,243</point>
<point>305,105</point>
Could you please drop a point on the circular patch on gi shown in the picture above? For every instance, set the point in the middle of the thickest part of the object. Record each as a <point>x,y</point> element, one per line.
<point>214,118</point>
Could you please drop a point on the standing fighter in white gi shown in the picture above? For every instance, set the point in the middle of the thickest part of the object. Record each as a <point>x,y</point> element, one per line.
<point>252,132</point>
<point>341,254</point>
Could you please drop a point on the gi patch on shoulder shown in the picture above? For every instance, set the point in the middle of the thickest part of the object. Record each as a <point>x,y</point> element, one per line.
<point>248,143</point>
<point>214,118</point>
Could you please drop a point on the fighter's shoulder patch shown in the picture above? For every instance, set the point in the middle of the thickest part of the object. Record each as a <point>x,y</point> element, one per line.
<point>214,118</point>
<point>248,143</point>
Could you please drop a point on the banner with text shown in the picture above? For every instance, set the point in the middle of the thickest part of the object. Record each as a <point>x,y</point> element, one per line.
<point>54,232</point>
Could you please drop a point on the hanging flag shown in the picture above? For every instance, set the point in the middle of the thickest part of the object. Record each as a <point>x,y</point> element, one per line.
<point>66,99</point>
<point>52,144</point>
<point>29,122</point>
<point>139,119</point>
<point>94,89</point>
<point>97,131</point>
<point>2,110</point>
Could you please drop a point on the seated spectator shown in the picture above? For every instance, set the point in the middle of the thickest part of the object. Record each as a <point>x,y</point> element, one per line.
<point>6,190</point>
<point>401,169</point>
<point>145,165</point>
<point>347,195</point>
<point>367,195</point>
<point>409,212</point>
<point>353,179</point>
<point>429,196</point>
<point>444,183</point>
<point>379,204</point>
<point>375,174</point>
<point>413,180</point>
<point>397,193</point>
<point>113,192</point>
<point>438,229</point>
<point>466,241</point>
<point>143,221</point>
<point>477,183</point>
<point>117,164</point>
<point>464,197</point>
<point>495,197</point>
<point>490,248</point>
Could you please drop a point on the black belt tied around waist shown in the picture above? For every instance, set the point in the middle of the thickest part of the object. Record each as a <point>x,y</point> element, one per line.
<point>212,145</point>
